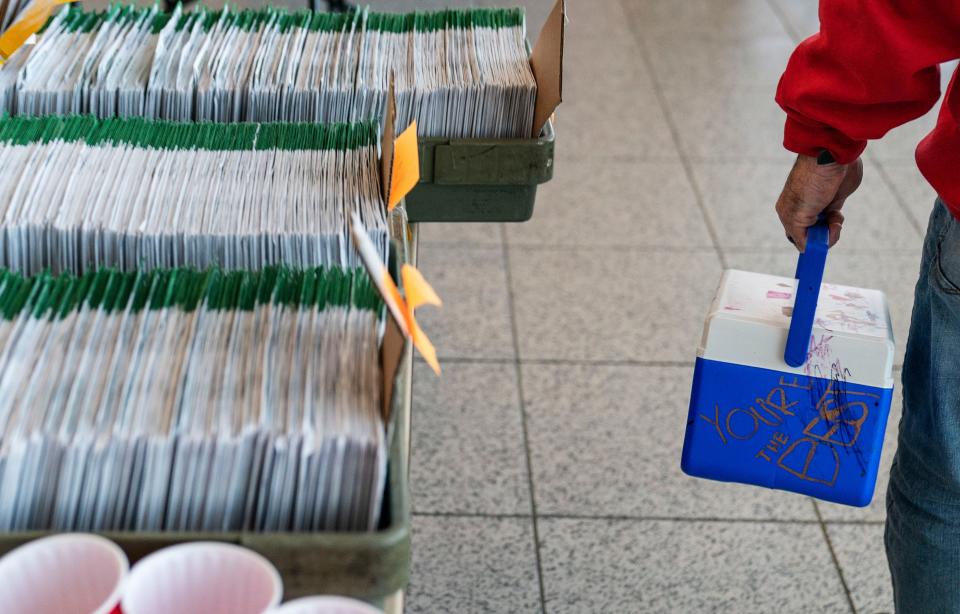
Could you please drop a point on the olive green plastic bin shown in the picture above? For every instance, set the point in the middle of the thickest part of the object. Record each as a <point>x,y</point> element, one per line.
<point>480,180</point>
<point>370,566</point>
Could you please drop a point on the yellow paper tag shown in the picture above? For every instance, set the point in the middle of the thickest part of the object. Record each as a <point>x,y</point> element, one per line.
<point>406,166</point>
<point>29,24</point>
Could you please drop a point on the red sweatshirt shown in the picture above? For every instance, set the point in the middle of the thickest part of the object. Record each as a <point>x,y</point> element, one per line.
<point>872,67</point>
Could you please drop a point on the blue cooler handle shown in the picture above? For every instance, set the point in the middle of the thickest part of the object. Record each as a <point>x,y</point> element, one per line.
<point>809,275</point>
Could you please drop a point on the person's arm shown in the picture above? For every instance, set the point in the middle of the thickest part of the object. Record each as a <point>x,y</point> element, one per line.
<point>872,66</point>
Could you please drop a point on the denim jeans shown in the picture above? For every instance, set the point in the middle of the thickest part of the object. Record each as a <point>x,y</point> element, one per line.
<point>923,500</point>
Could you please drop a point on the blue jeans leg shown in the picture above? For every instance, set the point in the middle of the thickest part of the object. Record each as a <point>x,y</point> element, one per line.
<point>922,534</point>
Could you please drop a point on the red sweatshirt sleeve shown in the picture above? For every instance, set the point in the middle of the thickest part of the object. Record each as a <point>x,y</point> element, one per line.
<point>872,66</point>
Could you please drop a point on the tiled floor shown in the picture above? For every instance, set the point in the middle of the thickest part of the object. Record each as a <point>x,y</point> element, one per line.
<point>546,459</point>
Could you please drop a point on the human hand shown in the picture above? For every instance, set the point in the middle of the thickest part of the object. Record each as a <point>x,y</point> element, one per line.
<point>813,188</point>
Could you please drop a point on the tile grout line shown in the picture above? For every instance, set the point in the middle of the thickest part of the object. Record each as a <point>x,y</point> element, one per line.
<point>784,21</point>
<point>490,515</point>
<point>833,556</point>
<point>620,247</point>
<point>773,251</point>
<point>518,371</point>
<point>901,201</point>
<point>646,248</point>
<point>675,136</point>
<point>629,518</point>
<point>566,247</point>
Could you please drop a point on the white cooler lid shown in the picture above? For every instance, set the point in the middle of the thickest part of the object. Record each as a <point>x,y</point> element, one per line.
<point>750,317</point>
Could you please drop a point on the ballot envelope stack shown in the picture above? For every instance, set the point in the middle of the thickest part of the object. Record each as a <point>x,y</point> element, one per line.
<point>190,400</point>
<point>77,193</point>
<point>187,340</point>
<point>457,73</point>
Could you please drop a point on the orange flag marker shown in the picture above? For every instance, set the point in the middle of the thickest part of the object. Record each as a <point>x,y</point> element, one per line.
<point>406,166</point>
<point>418,292</point>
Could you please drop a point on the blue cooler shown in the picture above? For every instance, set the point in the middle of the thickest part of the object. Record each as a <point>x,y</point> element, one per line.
<point>793,383</point>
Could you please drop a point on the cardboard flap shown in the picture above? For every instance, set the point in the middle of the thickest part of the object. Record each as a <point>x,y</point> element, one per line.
<point>391,353</point>
<point>387,141</point>
<point>547,64</point>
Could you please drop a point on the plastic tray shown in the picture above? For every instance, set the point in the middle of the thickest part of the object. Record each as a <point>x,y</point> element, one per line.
<point>365,565</point>
<point>368,566</point>
<point>480,180</point>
